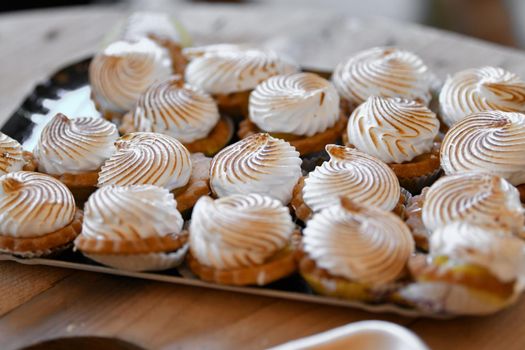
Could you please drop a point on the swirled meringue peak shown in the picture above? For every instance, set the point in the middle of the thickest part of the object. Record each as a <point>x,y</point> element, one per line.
<point>392,129</point>
<point>481,199</point>
<point>239,230</point>
<point>498,252</point>
<point>478,90</point>
<point>74,145</point>
<point>130,213</point>
<point>383,71</point>
<point>257,164</point>
<point>354,174</point>
<point>300,104</point>
<point>360,243</point>
<point>176,109</point>
<point>124,70</point>
<point>33,204</point>
<point>147,158</point>
<point>490,142</point>
<point>11,155</point>
<point>225,70</point>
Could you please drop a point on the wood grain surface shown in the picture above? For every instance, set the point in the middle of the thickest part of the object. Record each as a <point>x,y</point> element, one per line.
<point>38,303</point>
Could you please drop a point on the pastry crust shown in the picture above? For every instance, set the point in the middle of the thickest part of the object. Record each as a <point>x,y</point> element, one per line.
<point>521,189</point>
<point>112,116</point>
<point>47,242</point>
<point>234,104</point>
<point>82,185</point>
<point>179,61</point>
<point>198,185</point>
<point>303,144</point>
<point>154,244</point>
<point>304,213</point>
<point>216,140</point>
<point>31,163</point>
<point>280,265</point>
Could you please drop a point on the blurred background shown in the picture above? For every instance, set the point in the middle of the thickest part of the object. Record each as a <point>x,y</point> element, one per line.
<point>498,21</point>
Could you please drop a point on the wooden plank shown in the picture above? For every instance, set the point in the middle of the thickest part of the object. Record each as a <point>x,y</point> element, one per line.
<point>19,283</point>
<point>160,315</point>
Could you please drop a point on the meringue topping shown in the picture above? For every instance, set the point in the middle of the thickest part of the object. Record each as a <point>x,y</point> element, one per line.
<point>124,70</point>
<point>11,155</point>
<point>299,104</point>
<point>130,213</point>
<point>74,145</point>
<point>238,230</point>
<point>500,253</point>
<point>226,70</point>
<point>481,199</point>
<point>385,72</point>
<point>147,158</point>
<point>354,174</point>
<point>490,142</point>
<point>392,129</point>
<point>173,108</point>
<point>257,164</point>
<point>363,244</point>
<point>481,89</point>
<point>33,204</point>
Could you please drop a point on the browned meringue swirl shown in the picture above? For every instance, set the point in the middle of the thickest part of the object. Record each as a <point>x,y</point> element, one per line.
<point>490,142</point>
<point>33,204</point>
<point>11,155</point>
<point>147,158</point>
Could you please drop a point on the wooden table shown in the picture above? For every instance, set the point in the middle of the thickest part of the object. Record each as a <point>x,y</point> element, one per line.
<point>40,303</point>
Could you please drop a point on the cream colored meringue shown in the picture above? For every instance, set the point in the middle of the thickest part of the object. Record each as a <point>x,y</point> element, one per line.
<point>481,199</point>
<point>497,251</point>
<point>299,104</point>
<point>33,204</point>
<point>354,174</point>
<point>225,71</point>
<point>176,109</point>
<point>147,158</point>
<point>124,70</point>
<point>74,145</point>
<point>490,142</point>
<point>131,212</point>
<point>393,130</point>
<point>385,72</point>
<point>199,51</point>
<point>239,230</point>
<point>363,244</point>
<point>257,164</point>
<point>482,89</point>
<point>11,155</point>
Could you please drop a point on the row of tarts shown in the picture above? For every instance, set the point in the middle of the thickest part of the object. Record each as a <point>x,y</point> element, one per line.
<point>404,205</point>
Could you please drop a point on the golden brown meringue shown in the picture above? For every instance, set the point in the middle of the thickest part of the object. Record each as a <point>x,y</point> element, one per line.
<point>257,164</point>
<point>482,89</point>
<point>147,158</point>
<point>11,155</point>
<point>481,199</point>
<point>385,72</point>
<point>490,142</point>
<point>354,174</point>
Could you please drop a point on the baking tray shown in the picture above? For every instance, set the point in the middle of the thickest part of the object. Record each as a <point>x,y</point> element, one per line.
<point>67,91</point>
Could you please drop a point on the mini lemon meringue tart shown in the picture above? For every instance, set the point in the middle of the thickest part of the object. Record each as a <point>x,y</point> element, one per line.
<point>470,270</point>
<point>477,90</point>
<point>160,160</point>
<point>177,109</point>
<point>159,27</point>
<point>37,215</point>
<point>13,157</point>
<point>488,142</point>
<point>401,133</point>
<point>120,73</point>
<point>385,72</point>
<point>135,228</point>
<point>301,108</point>
<point>73,150</point>
<point>351,173</point>
<point>481,199</point>
<point>229,73</point>
<point>257,164</point>
<point>242,240</point>
<point>355,252</point>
